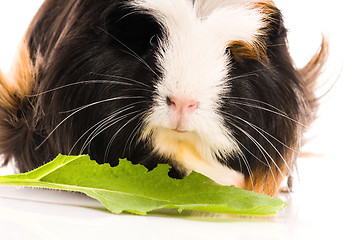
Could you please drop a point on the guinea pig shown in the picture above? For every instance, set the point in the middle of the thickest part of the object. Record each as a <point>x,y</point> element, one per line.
<point>202,85</point>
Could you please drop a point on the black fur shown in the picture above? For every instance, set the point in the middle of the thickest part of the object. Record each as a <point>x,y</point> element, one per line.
<point>94,52</point>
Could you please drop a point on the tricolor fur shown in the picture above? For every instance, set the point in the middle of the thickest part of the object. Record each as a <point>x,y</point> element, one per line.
<point>204,85</point>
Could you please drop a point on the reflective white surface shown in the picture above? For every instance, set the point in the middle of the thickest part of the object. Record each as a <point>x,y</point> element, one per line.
<point>325,203</point>
<point>319,209</point>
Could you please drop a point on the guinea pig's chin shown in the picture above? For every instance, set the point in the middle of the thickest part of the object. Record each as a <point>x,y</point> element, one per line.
<point>163,136</point>
<point>165,140</point>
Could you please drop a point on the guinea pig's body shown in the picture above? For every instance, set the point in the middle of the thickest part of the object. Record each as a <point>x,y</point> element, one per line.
<point>204,85</point>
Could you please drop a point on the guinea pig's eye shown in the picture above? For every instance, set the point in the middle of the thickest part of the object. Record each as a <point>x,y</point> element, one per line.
<point>228,51</point>
<point>153,41</point>
<point>139,32</point>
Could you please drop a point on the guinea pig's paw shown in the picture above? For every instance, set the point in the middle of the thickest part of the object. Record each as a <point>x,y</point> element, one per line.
<point>219,173</point>
<point>228,177</point>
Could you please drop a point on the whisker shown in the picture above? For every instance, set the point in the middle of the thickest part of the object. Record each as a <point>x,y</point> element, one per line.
<point>122,78</point>
<point>244,147</point>
<point>100,126</point>
<point>75,111</point>
<point>243,76</point>
<point>262,150</point>
<point>248,74</point>
<point>127,15</point>
<point>102,101</point>
<point>270,135</point>
<point>271,144</point>
<point>236,100</point>
<point>278,112</point>
<point>131,138</point>
<point>118,131</point>
<point>245,161</point>
<point>248,167</point>
<point>95,133</point>
<point>255,142</point>
<point>273,137</point>
<point>100,81</point>
<point>97,125</point>
<point>104,126</point>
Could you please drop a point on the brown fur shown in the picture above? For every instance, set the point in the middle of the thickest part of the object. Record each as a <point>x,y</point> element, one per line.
<point>310,73</point>
<point>15,90</point>
<point>270,184</point>
<point>255,51</point>
<point>19,82</point>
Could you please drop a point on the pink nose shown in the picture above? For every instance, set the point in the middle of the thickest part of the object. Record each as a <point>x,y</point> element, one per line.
<point>182,106</point>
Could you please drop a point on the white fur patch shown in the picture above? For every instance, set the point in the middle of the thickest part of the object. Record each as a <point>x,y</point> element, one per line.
<point>195,65</point>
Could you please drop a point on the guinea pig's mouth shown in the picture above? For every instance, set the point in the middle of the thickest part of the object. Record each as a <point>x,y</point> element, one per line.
<point>179,130</point>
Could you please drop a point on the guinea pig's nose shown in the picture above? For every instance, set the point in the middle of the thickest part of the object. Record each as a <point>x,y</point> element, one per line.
<point>182,105</point>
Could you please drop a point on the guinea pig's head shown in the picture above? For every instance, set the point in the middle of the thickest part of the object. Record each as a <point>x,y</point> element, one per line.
<point>227,98</point>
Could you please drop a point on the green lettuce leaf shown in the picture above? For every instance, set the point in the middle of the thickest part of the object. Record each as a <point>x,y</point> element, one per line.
<point>132,188</point>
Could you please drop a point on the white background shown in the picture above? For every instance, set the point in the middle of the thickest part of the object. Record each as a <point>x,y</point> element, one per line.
<point>326,201</point>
